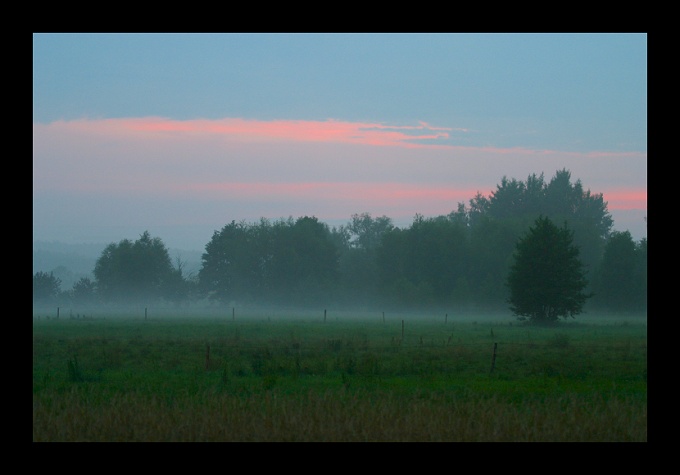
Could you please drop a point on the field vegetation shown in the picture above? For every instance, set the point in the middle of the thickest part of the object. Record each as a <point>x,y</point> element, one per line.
<point>278,376</point>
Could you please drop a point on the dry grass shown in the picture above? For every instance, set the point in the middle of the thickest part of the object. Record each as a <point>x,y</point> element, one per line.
<point>336,417</point>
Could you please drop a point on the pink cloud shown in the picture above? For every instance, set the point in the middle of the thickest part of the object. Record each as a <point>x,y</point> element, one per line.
<point>237,130</point>
<point>625,198</point>
<point>255,130</point>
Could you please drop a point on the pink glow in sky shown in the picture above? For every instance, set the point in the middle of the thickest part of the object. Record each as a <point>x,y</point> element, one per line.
<point>234,169</point>
<point>330,131</point>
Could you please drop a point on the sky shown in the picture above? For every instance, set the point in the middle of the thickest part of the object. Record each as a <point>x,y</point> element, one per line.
<point>181,134</point>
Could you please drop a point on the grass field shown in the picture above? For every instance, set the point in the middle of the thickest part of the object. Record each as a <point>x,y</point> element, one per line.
<point>341,377</point>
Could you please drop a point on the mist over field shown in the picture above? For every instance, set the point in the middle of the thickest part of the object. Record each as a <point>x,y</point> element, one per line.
<point>252,313</point>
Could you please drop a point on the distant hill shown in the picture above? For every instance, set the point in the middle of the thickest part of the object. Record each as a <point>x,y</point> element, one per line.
<point>71,262</point>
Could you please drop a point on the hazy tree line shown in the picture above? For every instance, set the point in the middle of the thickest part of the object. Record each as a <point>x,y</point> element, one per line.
<point>459,261</point>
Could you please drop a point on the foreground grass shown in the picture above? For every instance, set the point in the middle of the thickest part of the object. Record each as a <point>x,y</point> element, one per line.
<point>288,380</point>
<point>336,416</point>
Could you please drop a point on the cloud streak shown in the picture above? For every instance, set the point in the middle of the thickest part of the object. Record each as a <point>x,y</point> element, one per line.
<point>329,131</point>
<point>423,135</point>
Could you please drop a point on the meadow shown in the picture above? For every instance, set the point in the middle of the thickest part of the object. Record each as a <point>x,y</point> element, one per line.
<point>337,377</point>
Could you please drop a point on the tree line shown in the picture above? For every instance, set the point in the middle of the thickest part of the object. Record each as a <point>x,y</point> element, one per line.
<point>463,260</point>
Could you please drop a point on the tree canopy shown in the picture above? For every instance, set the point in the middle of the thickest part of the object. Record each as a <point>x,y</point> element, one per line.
<point>46,287</point>
<point>423,264</point>
<point>134,271</point>
<point>285,262</point>
<point>621,283</point>
<point>546,279</point>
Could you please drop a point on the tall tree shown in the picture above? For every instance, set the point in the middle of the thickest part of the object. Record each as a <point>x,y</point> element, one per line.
<point>622,276</point>
<point>492,242</point>
<point>230,263</point>
<point>424,263</point>
<point>315,264</point>
<point>366,231</point>
<point>84,291</point>
<point>134,271</point>
<point>546,279</point>
<point>357,243</point>
<point>287,261</point>
<point>514,206</point>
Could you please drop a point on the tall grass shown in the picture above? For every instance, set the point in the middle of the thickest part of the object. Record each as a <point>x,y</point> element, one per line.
<point>336,415</point>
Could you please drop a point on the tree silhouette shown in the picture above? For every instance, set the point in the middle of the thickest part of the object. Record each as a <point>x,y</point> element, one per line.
<point>134,271</point>
<point>46,287</point>
<point>622,277</point>
<point>546,279</point>
<point>288,261</point>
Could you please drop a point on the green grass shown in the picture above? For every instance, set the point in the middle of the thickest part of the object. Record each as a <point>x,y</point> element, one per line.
<point>297,378</point>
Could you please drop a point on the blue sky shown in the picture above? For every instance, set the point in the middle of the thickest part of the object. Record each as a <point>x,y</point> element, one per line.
<point>180,134</point>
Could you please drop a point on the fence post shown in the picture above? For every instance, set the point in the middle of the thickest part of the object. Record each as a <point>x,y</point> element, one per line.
<point>493,358</point>
<point>324,315</point>
<point>233,313</point>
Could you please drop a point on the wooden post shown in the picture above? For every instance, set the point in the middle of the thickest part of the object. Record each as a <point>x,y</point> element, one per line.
<point>233,313</point>
<point>446,318</point>
<point>57,312</point>
<point>324,315</point>
<point>493,358</point>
